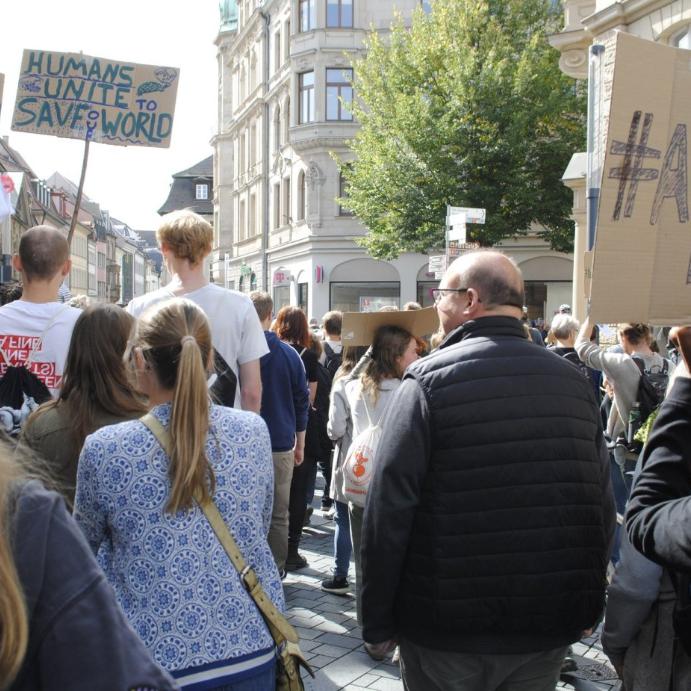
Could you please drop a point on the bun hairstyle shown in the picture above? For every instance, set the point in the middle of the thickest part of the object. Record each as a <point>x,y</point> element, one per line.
<point>175,340</point>
<point>635,334</point>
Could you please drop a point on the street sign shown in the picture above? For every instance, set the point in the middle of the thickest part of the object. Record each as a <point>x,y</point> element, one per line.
<point>457,233</point>
<point>471,215</point>
<point>437,263</point>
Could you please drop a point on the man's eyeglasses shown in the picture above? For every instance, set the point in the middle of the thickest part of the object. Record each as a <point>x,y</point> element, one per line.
<point>438,293</point>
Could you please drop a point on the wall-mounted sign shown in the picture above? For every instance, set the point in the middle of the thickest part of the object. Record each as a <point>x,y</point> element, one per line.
<point>282,277</point>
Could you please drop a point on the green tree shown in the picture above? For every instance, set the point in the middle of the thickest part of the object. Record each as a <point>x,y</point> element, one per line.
<point>467,107</point>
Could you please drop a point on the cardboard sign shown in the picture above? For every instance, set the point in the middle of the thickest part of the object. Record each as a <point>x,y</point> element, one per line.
<point>82,97</point>
<point>642,260</point>
<point>358,328</point>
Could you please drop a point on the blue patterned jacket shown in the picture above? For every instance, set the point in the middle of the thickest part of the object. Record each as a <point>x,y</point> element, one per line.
<point>174,581</point>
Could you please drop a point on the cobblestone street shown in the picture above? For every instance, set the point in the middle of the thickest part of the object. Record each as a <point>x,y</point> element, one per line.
<point>330,636</point>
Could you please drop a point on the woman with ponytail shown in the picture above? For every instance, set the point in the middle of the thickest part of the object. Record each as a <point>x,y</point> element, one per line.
<point>60,626</point>
<point>138,507</point>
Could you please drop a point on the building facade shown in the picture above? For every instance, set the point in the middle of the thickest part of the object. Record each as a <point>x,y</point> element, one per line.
<point>587,22</point>
<point>285,74</point>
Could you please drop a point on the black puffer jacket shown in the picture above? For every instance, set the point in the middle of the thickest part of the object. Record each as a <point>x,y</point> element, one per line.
<point>490,514</point>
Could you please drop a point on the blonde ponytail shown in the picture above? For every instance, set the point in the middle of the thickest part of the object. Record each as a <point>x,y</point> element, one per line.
<point>14,624</point>
<point>190,472</point>
<point>175,339</point>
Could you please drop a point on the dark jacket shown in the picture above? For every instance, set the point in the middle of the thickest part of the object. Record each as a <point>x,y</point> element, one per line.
<point>490,514</point>
<point>658,517</point>
<point>78,636</point>
<point>285,397</point>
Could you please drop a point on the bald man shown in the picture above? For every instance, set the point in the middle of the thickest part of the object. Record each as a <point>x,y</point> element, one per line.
<point>490,516</point>
<point>35,330</point>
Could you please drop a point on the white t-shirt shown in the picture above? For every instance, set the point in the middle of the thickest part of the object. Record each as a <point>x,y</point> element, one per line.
<point>23,323</point>
<point>236,331</point>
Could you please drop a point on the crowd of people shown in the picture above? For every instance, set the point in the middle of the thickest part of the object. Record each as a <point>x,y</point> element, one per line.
<point>474,477</point>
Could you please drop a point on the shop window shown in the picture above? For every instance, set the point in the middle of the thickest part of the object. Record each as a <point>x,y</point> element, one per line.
<point>303,295</point>
<point>364,296</point>
<point>281,297</point>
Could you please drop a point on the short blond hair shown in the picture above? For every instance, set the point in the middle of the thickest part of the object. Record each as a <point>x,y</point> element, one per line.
<point>187,234</point>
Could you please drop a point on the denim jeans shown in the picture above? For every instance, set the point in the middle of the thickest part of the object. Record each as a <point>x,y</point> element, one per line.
<point>343,547</point>
<point>266,679</point>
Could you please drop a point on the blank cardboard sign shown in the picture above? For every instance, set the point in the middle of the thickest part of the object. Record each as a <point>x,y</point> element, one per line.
<point>642,260</point>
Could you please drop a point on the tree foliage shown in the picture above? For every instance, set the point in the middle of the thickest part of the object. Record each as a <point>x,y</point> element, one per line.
<point>467,107</point>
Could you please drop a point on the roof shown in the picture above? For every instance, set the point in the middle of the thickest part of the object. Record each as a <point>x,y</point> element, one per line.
<point>203,169</point>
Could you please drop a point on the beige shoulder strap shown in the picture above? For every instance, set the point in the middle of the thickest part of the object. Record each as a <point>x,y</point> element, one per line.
<point>280,629</point>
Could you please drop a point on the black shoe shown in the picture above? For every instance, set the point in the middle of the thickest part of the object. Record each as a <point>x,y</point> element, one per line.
<point>327,504</point>
<point>295,562</point>
<point>282,573</point>
<point>336,585</point>
<point>308,514</point>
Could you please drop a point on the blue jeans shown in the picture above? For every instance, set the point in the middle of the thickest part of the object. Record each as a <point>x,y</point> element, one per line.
<point>343,547</point>
<point>266,679</point>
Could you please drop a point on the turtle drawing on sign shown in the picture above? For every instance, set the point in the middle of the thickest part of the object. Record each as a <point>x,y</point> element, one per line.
<point>30,84</point>
<point>165,78</point>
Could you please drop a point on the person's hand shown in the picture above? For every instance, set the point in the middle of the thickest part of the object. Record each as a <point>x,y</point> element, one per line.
<point>379,651</point>
<point>299,455</point>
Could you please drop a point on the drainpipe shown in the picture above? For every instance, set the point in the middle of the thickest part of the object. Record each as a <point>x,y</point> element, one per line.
<point>265,157</point>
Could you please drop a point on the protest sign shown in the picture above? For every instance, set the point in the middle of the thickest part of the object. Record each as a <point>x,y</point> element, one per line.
<point>358,328</point>
<point>642,259</point>
<point>96,99</point>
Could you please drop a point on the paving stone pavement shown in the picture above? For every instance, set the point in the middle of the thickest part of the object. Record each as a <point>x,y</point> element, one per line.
<point>330,636</point>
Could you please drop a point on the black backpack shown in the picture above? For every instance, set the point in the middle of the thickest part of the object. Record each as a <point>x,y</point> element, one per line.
<point>21,390</point>
<point>223,389</point>
<point>333,360</point>
<point>652,387</point>
<point>317,442</point>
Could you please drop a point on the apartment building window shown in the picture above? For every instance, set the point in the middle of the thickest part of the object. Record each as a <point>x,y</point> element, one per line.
<point>277,51</point>
<point>308,15</point>
<point>343,194</point>
<point>286,120</point>
<point>242,153</point>
<point>277,128</point>
<point>683,38</point>
<point>339,94</point>
<point>253,215</point>
<point>201,191</point>
<point>339,14</point>
<point>306,83</point>
<point>241,222</point>
<point>302,195</point>
<point>253,72</point>
<point>243,84</point>
<point>287,216</point>
<point>277,206</point>
<point>286,40</point>
<point>253,146</point>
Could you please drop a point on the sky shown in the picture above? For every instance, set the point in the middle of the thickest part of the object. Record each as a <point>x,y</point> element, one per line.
<point>131,182</point>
